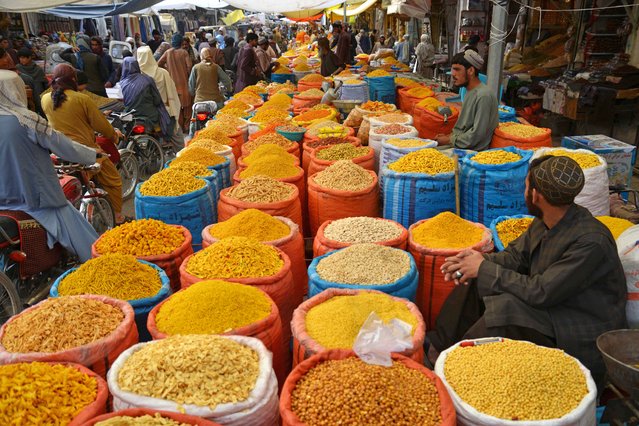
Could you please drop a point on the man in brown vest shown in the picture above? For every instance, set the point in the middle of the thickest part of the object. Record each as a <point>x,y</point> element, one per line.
<point>205,78</point>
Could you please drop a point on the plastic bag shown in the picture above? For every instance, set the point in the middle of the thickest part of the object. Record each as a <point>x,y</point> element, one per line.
<point>376,340</point>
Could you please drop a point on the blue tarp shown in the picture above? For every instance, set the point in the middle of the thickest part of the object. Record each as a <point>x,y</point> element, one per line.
<point>98,11</point>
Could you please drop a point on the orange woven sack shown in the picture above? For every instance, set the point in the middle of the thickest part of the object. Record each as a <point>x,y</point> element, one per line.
<point>322,245</point>
<point>408,102</point>
<point>298,180</point>
<point>301,103</point>
<point>292,245</point>
<point>97,355</point>
<point>98,406</point>
<point>331,204</point>
<point>502,139</point>
<point>430,124</point>
<point>305,85</point>
<point>268,330</point>
<point>307,150</point>
<point>304,346</point>
<point>432,290</point>
<point>291,208</point>
<point>171,262</point>
<point>289,418</point>
<point>140,412</point>
<point>280,287</point>
<point>367,161</point>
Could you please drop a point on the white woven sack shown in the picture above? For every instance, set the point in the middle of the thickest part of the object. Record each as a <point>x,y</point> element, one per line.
<point>583,415</point>
<point>629,255</point>
<point>259,409</point>
<point>595,195</point>
<point>375,140</point>
<point>227,153</point>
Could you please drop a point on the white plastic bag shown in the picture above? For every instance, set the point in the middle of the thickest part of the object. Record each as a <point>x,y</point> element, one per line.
<point>467,415</point>
<point>594,196</point>
<point>226,153</point>
<point>259,409</point>
<point>628,250</point>
<point>376,340</point>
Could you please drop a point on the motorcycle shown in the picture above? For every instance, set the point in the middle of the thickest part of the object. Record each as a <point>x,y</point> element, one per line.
<point>202,113</point>
<point>125,162</point>
<point>28,267</point>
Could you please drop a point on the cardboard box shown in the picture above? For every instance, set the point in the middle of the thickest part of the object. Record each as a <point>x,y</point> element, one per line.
<point>620,156</point>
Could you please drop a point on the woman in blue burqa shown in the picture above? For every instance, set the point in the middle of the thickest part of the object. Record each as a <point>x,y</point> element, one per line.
<point>28,180</point>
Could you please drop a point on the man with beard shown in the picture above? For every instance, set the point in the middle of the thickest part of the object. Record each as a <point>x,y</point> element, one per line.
<point>479,117</point>
<point>560,284</point>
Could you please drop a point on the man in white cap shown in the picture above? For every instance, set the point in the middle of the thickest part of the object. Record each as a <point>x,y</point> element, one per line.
<point>479,116</point>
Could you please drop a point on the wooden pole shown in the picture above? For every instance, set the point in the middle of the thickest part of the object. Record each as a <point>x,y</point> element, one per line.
<point>457,201</point>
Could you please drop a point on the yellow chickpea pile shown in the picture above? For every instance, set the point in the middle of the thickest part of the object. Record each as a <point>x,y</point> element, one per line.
<point>429,161</point>
<point>171,182</point>
<point>521,130</point>
<point>199,155</point>
<point>209,144</point>
<point>585,160</point>
<point>496,157</point>
<point>193,168</point>
<point>140,238</point>
<point>268,114</point>
<point>447,230</point>
<point>405,143</point>
<point>510,229</point>
<point>616,225</point>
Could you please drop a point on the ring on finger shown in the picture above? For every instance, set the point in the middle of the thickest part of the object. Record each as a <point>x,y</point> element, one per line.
<point>458,274</point>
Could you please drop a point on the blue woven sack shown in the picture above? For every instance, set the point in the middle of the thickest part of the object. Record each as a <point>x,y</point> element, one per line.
<point>499,246</point>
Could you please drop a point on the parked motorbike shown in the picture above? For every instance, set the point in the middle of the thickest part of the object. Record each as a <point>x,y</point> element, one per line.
<point>202,113</point>
<point>28,267</point>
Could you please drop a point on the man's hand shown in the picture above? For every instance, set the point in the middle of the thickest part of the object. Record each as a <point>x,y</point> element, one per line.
<point>442,139</point>
<point>467,263</point>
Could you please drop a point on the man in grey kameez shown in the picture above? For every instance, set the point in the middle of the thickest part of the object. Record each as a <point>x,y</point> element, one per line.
<point>479,116</point>
<point>560,284</point>
<point>28,181</point>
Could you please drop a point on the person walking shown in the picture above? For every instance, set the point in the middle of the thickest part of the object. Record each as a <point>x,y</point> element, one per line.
<point>178,62</point>
<point>425,52</point>
<point>248,71</point>
<point>205,78</point>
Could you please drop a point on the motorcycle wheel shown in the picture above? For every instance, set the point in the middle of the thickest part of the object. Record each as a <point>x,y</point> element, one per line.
<point>99,213</point>
<point>10,303</point>
<point>149,153</point>
<point>128,168</point>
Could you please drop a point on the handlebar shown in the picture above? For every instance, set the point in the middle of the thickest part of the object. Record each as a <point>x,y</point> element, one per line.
<point>75,167</point>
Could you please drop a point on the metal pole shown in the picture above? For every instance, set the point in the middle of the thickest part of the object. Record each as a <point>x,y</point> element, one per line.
<point>344,20</point>
<point>498,30</point>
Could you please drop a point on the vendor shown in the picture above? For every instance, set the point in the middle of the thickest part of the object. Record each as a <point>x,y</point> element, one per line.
<point>479,117</point>
<point>331,64</point>
<point>560,284</point>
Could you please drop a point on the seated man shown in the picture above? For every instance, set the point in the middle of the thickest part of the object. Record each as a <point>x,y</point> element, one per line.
<point>479,116</point>
<point>560,284</point>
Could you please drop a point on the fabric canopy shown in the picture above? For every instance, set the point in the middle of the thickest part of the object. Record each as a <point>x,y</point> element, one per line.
<point>413,8</point>
<point>305,15</point>
<point>353,10</point>
<point>283,5</point>
<point>97,11</point>
<point>32,5</point>
<point>189,4</point>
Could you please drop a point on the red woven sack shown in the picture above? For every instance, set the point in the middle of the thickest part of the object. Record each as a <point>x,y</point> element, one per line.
<point>430,124</point>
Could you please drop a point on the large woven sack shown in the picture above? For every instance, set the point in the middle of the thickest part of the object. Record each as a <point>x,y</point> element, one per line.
<point>226,153</point>
<point>292,245</point>
<point>304,346</point>
<point>408,102</point>
<point>354,92</point>
<point>502,139</point>
<point>391,153</point>
<point>307,150</point>
<point>141,307</point>
<point>290,208</point>
<point>330,204</point>
<point>268,330</point>
<point>306,85</point>
<point>323,245</point>
<point>430,124</point>
<point>376,139</point>
<point>289,418</point>
<point>141,412</point>
<point>170,262</point>
<point>432,290</point>
<point>279,286</point>
<point>499,245</point>
<point>194,210</point>
<point>366,161</point>
<point>410,197</point>
<point>260,409</point>
<point>467,415</point>
<point>301,103</point>
<point>595,194</point>
<point>97,355</point>
<point>220,175</point>
<point>405,287</point>
<point>488,191</point>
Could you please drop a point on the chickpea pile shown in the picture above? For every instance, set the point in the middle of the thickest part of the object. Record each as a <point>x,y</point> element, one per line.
<point>349,392</point>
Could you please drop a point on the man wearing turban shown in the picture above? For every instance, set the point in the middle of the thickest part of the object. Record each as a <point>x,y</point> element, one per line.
<point>560,284</point>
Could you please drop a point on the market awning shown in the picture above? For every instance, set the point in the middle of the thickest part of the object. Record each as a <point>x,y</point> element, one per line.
<point>33,5</point>
<point>354,9</point>
<point>413,8</point>
<point>305,15</point>
<point>283,5</point>
<point>99,10</point>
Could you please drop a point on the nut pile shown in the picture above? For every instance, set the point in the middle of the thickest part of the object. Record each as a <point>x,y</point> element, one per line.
<point>496,157</point>
<point>351,392</point>
<point>447,230</point>
<point>364,264</point>
<point>516,380</point>
<point>344,175</point>
<point>396,117</point>
<point>510,229</point>
<point>428,161</point>
<point>335,323</point>
<point>212,307</point>
<point>361,229</point>
<point>171,182</point>
<point>235,257</point>
<point>261,189</point>
<point>38,393</point>
<point>61,323</point>
<point>140,238</point>
<point>202,370</point>
<point>342,151</point>
<point>391,129</point>
<point>145,420</point>
<point>119,276</point>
